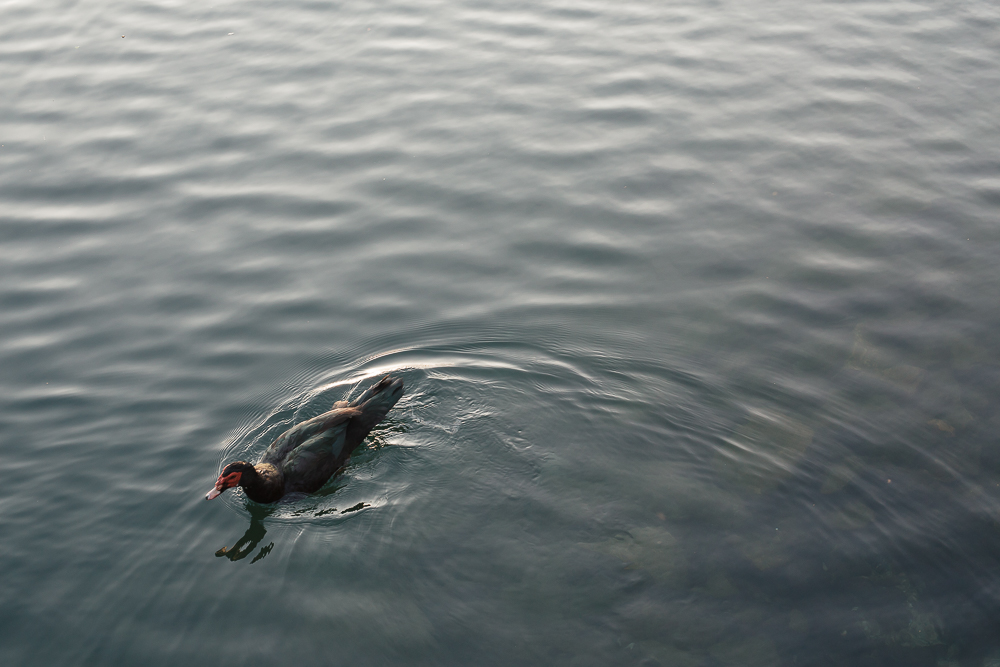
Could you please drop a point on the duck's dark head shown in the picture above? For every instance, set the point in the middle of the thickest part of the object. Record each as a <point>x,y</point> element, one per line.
<point>234,474</point>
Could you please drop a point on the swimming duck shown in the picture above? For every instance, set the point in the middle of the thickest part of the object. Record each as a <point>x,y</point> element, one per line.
<point>305,456</point>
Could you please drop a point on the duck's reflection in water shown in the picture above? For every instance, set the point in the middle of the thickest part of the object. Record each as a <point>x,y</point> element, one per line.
<point>246,544</point>
<point>255,533</point>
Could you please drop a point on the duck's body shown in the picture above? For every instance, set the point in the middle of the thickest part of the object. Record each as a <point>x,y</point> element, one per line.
<point>304,457</point>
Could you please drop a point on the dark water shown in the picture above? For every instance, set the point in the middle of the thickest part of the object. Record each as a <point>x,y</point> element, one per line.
<point>695,303</point>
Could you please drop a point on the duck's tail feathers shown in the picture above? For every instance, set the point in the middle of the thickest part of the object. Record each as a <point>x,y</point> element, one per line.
<point>379,388</point>
<point>374,404</point>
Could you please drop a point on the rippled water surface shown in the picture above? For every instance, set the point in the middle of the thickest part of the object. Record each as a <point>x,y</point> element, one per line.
<point>695,303</point>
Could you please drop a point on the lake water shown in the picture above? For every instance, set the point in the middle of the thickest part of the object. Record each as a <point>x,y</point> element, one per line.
<point>695,302</point>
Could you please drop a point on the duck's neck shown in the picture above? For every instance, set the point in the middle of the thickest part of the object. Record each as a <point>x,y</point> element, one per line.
<point>265,485</point>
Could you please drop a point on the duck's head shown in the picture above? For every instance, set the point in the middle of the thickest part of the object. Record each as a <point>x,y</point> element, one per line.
<point>231,476</point>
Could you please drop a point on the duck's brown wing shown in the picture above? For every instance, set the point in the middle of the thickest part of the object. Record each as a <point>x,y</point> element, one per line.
<point>300,434</point>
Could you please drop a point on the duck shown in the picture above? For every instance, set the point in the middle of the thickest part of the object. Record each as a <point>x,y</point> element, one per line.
<point>306,456</point>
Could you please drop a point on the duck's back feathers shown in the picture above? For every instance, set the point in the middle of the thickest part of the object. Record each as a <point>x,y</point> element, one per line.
<point>309,465</point>
<point>299,435</point>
